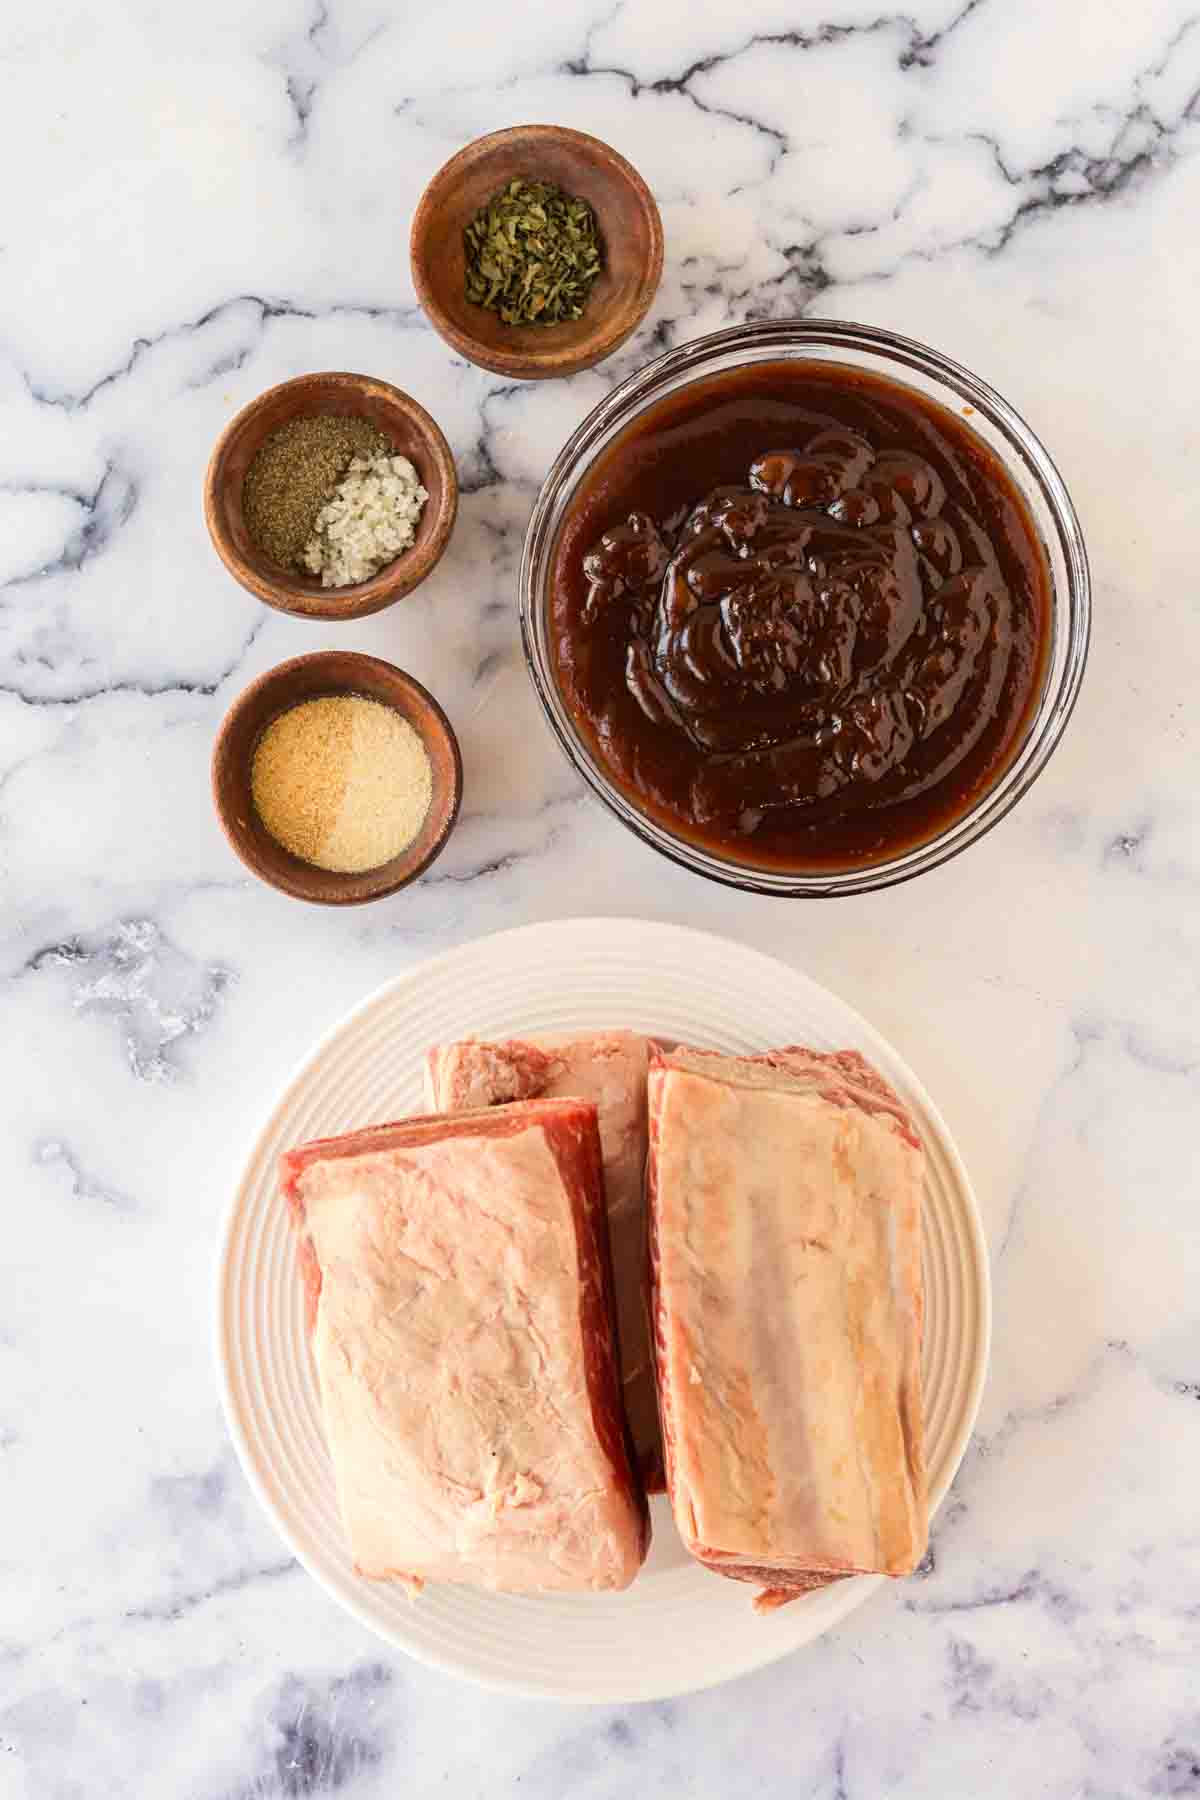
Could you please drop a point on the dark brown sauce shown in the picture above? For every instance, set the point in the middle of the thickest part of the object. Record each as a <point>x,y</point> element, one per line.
<point>800,615</point>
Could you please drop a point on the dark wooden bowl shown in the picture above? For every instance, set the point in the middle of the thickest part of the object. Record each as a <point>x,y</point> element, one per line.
<point>414,434</point>
<point>628,221</point>
<point>310,678</point>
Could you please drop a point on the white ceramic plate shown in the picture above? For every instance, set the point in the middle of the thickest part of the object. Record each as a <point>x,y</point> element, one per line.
<point>678,1628</point>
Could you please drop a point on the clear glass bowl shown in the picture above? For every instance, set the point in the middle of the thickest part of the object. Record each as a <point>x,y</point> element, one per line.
<point>913,365</point>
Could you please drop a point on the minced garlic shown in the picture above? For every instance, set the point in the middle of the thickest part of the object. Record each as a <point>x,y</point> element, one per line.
<point>342,782</point>
<point>371,517</point>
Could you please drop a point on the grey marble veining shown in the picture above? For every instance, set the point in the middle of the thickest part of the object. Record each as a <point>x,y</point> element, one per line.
<point>199,204</point>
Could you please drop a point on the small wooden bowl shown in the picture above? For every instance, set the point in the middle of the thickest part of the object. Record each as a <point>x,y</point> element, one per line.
<point>399,417</point>
<point>310,678</point>
<point>629,225</point>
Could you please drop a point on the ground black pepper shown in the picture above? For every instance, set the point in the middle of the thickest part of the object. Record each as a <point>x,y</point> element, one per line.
<point>295,472</point>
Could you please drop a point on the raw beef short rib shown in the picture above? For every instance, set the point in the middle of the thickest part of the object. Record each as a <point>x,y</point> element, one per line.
<point>460,1294</point>
<point>610,1069</point>
<point>785,1229</point>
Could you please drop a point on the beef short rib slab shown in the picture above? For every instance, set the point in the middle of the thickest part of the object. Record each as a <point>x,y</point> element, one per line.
<point>462,1327</point>
<point>610,1069</point>
<point>785,1221</point>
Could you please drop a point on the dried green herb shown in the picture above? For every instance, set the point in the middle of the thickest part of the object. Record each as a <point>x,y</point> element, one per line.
<point>533,253</point>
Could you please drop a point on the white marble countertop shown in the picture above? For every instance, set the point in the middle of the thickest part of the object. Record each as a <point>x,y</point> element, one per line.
<point>199,204</point>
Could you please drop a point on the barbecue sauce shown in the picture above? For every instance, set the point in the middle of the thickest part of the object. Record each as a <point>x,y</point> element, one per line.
<point>800,615</point>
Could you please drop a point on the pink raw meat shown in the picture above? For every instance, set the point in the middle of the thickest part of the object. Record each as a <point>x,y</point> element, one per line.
<point>785,1227</point>
<point>610,1069</point>
<point>460,1292</point>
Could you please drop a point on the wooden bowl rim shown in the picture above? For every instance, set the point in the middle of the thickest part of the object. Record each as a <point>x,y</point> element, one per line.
<point>610,330</point>
<point>393,875</point>
<point>395,579</point>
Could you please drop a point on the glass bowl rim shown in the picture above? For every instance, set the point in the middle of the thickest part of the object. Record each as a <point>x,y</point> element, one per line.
<point>1070,610</point>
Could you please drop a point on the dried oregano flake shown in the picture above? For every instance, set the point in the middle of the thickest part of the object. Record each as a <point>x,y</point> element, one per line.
<point>532,254</point>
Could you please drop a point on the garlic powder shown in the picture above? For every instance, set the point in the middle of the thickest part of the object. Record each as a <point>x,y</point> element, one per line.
<point>371,517</point>
<point>342,782</point>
